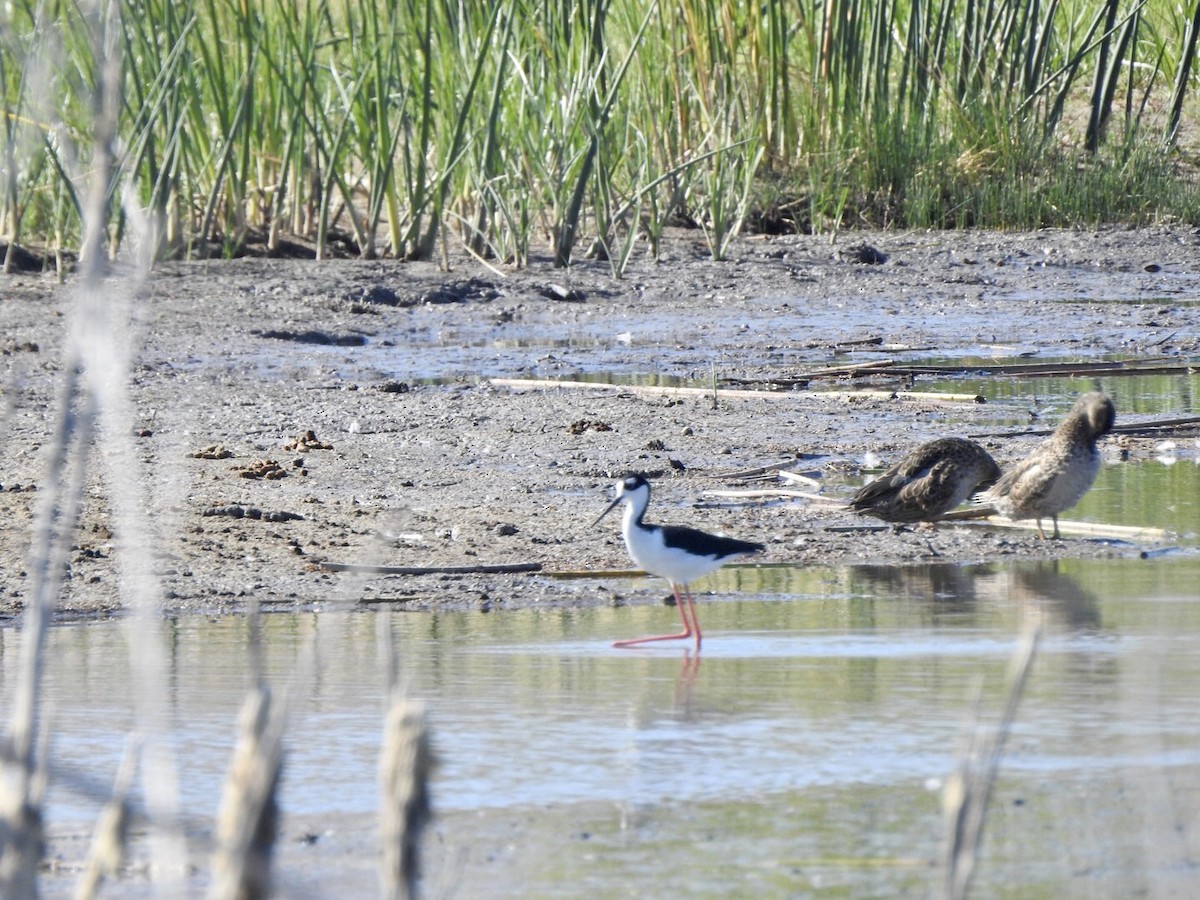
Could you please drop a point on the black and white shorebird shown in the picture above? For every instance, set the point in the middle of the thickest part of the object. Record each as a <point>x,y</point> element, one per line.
<point>674,552</point>
<point>931,480</point>
<point>1060,470</point>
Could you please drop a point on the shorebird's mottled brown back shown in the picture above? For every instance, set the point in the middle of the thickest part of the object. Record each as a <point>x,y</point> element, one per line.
<point>928,482</point>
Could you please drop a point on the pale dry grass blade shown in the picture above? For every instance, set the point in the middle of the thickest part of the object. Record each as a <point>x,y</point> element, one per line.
<point>105,321</point>
<point>21,833</point>
<point>22,764</point>
<point>22,788</point>
<point>111,837</point>
<point>968,790</point>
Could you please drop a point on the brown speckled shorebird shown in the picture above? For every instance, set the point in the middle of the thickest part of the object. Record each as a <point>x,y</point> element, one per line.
<point>1060,470</point>
<point>929,481</point>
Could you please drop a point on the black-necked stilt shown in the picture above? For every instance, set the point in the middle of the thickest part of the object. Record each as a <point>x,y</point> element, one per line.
<point>931,480</point>
<point>674,552</point>
<point>1060,470</point>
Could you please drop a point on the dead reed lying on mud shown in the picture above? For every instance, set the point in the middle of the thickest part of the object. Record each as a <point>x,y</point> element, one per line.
<point>648,390</point>
<point>893,369</point>
<point>478,569</point>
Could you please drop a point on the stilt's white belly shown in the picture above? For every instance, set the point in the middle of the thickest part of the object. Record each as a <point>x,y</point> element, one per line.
<point>654,556</point>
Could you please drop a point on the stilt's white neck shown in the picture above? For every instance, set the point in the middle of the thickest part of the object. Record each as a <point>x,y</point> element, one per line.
<point>635,508</point>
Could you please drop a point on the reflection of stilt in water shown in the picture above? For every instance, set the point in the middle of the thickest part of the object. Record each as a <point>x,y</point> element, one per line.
<point>686,682</point>
<point>654,761</point>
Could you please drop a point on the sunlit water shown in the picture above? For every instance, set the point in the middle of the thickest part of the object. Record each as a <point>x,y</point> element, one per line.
<point>803,749</point>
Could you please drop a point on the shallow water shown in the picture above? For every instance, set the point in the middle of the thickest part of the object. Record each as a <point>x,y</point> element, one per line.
<point>803,749</point>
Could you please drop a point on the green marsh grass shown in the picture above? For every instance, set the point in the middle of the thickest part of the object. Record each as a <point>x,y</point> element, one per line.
<point>382,129</point>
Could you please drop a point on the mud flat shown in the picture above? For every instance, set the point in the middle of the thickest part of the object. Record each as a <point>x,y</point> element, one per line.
<point>291,414</point>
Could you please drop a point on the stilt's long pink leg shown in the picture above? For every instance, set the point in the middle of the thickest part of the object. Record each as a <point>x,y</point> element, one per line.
<point>690,625</point>
<point>691,602</point>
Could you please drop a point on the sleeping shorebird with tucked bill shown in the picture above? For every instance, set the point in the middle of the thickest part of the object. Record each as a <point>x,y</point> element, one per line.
<point>675,552</point>
<point>931,480</point>
<point>1060,470</point>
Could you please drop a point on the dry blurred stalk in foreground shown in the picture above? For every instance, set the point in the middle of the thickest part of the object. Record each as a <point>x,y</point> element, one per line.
<point>249,817</point>
<point>404,785</point>
<point>969,789</point>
